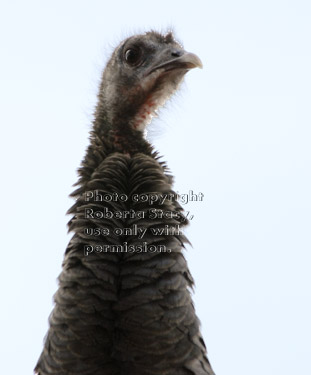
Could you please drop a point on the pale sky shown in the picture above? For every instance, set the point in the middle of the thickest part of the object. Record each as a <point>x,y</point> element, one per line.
<point>238,131</point>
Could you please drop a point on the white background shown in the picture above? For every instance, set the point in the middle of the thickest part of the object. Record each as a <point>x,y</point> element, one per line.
<point>238,131</point>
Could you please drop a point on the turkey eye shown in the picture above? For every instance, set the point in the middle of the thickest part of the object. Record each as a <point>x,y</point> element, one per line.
<point>133,56</point>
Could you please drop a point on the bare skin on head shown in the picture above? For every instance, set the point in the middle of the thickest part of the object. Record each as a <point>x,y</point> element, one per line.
<point>143,72</point>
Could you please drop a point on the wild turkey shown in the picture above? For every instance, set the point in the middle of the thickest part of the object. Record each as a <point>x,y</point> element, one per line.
<point>123,305</point>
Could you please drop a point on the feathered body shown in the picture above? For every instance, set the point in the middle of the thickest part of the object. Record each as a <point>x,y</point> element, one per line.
<point>123,305</point>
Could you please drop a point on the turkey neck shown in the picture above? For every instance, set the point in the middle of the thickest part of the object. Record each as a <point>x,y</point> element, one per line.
<point>119,137</point>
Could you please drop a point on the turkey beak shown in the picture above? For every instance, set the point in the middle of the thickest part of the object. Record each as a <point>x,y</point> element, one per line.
<point>188,61</point>
<point>181,60</point>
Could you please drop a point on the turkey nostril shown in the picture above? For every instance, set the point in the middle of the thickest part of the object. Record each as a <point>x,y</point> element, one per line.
<point>177,53</point>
